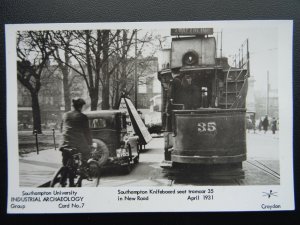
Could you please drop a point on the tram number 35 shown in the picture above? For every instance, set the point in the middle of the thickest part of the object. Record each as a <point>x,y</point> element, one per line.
<point>206,127</point>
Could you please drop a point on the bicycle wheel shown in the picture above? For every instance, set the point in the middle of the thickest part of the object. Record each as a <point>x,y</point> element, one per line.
<point>55,182</point>
<point>63,178</point>
<point>94,171</point>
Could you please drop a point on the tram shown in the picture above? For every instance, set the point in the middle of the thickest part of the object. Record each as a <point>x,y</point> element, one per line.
<point>203,101</point>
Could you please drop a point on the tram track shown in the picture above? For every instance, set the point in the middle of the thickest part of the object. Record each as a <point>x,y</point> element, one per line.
<point>262,167</point>
<point>252,169</point>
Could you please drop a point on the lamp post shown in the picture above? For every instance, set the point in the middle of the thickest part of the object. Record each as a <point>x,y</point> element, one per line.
<point>268,90</point>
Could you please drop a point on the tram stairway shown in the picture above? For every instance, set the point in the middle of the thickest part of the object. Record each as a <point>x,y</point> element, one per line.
<point>235,89</point>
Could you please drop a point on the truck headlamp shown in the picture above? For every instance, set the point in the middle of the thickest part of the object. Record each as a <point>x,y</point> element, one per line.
<point>121,152</point>
<point>94,145</point>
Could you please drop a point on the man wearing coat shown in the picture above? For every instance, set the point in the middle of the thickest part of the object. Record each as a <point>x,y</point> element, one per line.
<point>76,132</point>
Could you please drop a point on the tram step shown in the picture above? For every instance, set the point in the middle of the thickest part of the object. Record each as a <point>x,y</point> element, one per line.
<point>220,171</point>
<point>166,164</point>
<point>176,174</point>
<point>223,103</point>
<point>230,92</point>
<point>235,81</point>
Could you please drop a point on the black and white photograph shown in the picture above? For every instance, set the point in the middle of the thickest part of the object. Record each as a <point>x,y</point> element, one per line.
<point>134,113</point>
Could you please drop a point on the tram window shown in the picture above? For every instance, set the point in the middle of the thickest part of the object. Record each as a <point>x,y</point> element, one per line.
<point>176,90</point>
<point>221,84</point>
<point>204,91</point>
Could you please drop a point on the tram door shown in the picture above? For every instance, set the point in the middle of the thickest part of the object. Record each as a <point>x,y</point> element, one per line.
<point>205,90</point>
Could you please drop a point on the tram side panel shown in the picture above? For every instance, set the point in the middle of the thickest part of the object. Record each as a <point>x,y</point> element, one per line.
<point>216,137</point>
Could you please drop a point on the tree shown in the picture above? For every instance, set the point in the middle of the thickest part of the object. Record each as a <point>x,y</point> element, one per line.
<point>120,74</point>
<point>100,57</point>
<point>33,56</point>
<point>123,77</point>
<point>60,42</point>
<point>89,52</point>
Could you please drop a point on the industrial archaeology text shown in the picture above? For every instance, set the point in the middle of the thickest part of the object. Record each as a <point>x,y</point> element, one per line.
<point>145,195</point>
<point>72,200</point>
<point>63,199</point>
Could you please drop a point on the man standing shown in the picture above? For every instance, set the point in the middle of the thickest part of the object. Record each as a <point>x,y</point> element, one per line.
<point>274,125</point>
<point>174,93</point>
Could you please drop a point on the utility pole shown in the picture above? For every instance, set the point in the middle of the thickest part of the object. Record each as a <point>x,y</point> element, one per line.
<point>239,58</point>
<point>268,90</point>
<point>217,45</point>
<point>248,58</point>
<point>135,72</point>
<point>221,43</point>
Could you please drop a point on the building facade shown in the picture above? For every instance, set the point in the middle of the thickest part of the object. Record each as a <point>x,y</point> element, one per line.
<point>149,85</point>
<point>50,102</point>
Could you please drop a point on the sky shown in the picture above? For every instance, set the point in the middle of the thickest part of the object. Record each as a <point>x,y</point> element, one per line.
<point>263,48</point>
<point>263,41</point>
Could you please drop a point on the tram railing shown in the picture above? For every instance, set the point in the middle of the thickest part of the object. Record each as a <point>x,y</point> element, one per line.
<point>242,62</point>
<point>236,79</point>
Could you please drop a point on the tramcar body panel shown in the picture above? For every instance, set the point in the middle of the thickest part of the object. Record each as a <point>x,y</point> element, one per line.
<point>215,136</point>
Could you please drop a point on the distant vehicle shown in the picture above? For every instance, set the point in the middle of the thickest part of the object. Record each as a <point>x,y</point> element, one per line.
<point>109,132</point>
<point>250,120</point>
<point>155,104</point>
<point>153,120</point>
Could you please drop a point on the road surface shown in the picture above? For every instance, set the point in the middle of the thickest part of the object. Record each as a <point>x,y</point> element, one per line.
<point>261,168</point>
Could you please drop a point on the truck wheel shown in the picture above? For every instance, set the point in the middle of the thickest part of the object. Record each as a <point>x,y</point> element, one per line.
<point>137,158</point>
<point>100,154</point>
<point>127,169</point>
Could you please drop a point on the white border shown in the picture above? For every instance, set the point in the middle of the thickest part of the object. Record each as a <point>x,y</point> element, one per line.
<point>233,198</point>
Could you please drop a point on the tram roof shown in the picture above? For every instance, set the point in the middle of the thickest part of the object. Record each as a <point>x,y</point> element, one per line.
<point>183,69</point>
<point>186,69</point>
<point>164,71</point>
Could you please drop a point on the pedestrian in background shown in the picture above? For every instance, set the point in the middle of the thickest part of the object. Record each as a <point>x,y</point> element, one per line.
<point>265,124</point>
<point>260,125</point>
<point>274,125</point>
<point>249,125</point>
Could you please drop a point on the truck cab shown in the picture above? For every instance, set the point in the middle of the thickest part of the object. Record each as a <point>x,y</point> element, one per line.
<point>109,132</point>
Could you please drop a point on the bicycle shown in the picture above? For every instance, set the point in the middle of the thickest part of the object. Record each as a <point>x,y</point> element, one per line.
<point>76,170</point>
